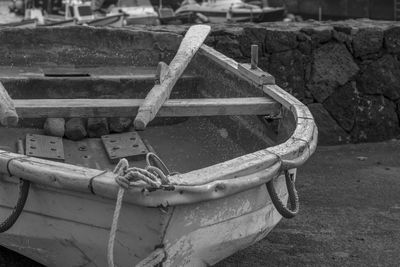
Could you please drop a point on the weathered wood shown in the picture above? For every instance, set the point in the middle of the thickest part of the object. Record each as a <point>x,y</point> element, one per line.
<point>280,95</point>
<point>106,73</point>
<point>192,41</point>
<point>161,72</point>
<point>256,77</point>
<point>153,259</point>
<point>254,57</point>
<point>84,108</point>
<point>8,115</point>
<point>54,127</point>
<point>217,181</point>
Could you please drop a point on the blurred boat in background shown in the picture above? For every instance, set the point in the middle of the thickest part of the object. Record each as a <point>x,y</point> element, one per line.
<point>28,23</point>
<point>136,11</point>
<point>218,11</point>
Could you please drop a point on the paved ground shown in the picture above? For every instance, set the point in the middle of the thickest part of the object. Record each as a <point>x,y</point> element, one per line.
<point>350,213</point>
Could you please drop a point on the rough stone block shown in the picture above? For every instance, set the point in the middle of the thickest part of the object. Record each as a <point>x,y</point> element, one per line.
<point>376,120</point>
<point>97,127</point>
<point>392,39</point>
<point>119,125</point>
<point>344,28</point>
<point>381,77</point>
<point>333,66</point>
<point>319,34</point>
<point>289,69</point>
<point>228,46</point>
<point>252,35</point>
<point>329,132</point>
<point>367,41</point>
<point>54,127</point>
<point>278,40</point>
<point>342,105</point>
<point>345,39</point>
<point>75,129</point>
<point>305,44</point>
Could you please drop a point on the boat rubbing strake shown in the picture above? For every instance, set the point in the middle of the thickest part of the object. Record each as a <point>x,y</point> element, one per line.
<point>202,114</point>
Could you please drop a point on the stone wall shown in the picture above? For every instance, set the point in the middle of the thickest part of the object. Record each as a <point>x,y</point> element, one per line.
<point>347,72</point>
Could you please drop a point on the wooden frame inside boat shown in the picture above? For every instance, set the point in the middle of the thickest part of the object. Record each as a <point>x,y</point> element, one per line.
<point>218,181</point>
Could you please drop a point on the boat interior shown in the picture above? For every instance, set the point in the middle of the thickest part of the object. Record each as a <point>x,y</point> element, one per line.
<point>212,115</point>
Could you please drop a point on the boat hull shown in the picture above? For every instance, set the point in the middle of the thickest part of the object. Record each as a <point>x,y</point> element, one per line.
<point>111,21</point>
<point>29,23</point>
<point>220,16</point>
<point>142,20</point>
<point>60,228</point>
<point>62,23</point>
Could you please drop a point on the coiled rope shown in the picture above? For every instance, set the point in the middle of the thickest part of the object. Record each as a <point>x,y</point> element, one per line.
<point>293,197</point>
<point>151,177</point>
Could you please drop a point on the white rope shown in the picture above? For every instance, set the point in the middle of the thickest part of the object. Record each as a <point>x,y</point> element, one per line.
<point>151,177</point>
<point>121,167</point>
<point>114,226</point>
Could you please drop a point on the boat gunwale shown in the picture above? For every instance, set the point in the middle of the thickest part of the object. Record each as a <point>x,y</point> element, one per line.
<point>216,181</point>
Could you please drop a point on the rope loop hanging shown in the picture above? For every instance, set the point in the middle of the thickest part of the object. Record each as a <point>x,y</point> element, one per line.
<point>17,210</point>
<point>22,194</point>
<point>293,197</point>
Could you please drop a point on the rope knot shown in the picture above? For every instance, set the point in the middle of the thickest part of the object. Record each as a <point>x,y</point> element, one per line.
<point>150,177</point>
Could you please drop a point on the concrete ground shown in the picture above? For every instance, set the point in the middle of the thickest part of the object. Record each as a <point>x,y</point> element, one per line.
<point>349,214</point>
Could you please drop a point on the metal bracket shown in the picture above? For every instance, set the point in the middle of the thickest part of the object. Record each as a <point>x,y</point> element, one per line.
<point>43,146</point>
<point>125,145</point>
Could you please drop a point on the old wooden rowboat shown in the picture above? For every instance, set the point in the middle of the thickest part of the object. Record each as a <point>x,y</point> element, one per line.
<point>214,128</point>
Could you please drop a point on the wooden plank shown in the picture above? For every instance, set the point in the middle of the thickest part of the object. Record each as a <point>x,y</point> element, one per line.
<point>161,73</point>
<point>86,108</point>
<point>65,72</point>
<point>106,73</point>
<point>240,70</point>
<point>254,57</point>
<point>8,115</point>
<point>192,41</point>
<point>257,75</point>
<point>280,95</point>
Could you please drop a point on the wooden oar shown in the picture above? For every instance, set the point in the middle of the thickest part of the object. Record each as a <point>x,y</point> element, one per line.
<point>192,41</point>
<point>8,115</point>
